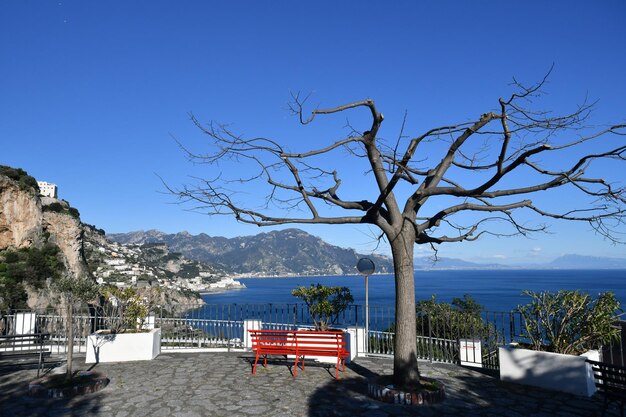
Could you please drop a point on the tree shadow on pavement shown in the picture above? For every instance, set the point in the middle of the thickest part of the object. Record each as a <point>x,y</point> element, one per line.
<point>468,392</point>
<point>15,401</point>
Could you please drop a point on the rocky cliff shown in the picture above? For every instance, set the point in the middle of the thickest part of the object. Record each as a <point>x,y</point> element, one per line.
<point>21,216</point>
<point>30,223</point>
<point>25,221</point>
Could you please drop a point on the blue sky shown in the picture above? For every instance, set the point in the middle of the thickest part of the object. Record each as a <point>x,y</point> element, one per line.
<point>93,92</point>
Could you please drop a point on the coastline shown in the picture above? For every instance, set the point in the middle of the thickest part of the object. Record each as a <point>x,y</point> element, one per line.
<point>243,276</point>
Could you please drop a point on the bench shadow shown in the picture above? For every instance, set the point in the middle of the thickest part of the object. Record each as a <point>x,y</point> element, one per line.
<point>277,360</point>
<point>272,360</point>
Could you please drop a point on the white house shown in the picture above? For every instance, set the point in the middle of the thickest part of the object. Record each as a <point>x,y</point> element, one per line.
<point>47,189</point>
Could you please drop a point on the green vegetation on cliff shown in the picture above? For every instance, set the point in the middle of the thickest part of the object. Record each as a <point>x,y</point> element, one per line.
<point>26,182</point>
<point>27,267</point>
<point>59,208</point>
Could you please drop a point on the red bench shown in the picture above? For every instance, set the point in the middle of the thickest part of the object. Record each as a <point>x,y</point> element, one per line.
<point>300,344</point>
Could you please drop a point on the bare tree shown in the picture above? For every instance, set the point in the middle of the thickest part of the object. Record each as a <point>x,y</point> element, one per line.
<point>452,183</point>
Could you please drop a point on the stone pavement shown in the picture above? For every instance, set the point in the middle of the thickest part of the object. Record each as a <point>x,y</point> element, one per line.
<point>220,384</point>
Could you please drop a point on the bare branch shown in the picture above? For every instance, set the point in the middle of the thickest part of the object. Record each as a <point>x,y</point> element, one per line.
<point>497,161</point>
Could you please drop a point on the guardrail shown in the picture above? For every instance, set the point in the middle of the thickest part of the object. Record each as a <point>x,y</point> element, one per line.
<point>441,336</point>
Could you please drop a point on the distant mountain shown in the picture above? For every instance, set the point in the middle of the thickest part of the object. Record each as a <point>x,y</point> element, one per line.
<point>563,262</point>
<point>586,262</point>
<point>452,263</point>
<point>277,253</point>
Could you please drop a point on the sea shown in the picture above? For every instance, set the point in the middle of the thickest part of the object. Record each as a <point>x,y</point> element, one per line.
<point>495,290</point>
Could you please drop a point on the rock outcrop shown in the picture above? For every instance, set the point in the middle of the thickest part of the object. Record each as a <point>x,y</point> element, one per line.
<point>28,220</point>
<point>21,217</point>
<point>67,233</point>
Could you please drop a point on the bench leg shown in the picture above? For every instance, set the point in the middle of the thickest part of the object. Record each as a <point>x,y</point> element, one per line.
<point>295,365</point>
<point>256,360</point>
<point>339,361</point>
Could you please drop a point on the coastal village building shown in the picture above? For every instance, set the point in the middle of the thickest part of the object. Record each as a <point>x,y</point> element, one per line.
<point>47,189</point>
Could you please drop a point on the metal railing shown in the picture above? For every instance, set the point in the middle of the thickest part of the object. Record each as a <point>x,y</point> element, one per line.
<point>441,335</point>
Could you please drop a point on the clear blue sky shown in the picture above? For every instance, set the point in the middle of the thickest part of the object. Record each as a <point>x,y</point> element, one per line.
<point>92,92</point>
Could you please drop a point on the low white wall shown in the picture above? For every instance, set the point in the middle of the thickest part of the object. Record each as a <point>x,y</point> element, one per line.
<point>555,371</point>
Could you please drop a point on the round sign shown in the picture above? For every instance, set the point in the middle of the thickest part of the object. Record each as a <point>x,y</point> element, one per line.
<point>365,266</point>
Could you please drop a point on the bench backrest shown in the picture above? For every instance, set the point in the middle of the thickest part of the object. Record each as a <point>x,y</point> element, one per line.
<point>272,338</point>
<point>19,342</point>
<point>609,378</point>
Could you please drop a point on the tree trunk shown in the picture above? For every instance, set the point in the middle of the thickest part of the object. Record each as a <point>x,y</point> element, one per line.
<point>405,370</point>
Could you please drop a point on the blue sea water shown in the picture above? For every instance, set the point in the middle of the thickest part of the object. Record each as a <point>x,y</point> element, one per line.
<point>496,290</point>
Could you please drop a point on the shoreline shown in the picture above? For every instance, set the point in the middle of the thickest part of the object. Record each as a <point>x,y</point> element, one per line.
<point>304,276</point>
<point>506,269</point>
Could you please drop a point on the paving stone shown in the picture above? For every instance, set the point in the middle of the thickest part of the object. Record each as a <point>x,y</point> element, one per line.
<point>220,384</point>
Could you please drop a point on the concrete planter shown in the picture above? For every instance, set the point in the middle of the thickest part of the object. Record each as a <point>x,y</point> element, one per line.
<point>121,347</point>
<point>555,371</point>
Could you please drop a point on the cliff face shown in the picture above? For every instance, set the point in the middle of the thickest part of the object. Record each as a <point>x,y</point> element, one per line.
<point>24,223</point>
<point>30,221</point>
<point>67,233</point>
<point>21,216</point>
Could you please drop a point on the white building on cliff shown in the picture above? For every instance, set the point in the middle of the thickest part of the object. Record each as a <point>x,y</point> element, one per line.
<point>47,189</point>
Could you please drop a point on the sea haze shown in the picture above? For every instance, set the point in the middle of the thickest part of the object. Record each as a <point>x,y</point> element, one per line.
<point>496,290</point>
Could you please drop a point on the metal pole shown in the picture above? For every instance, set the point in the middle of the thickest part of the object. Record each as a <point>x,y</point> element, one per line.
<point>367,316</point>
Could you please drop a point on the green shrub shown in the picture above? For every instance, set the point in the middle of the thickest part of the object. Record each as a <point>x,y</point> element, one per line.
<point>60,208</point>
<point>458,319</point>
<point>73,212</point>
<point>570,322</point>
<point>25,181</point>
<point>124,309</point>
<point>27,267</point>
<point>54,207</point>
<point>324,303</point>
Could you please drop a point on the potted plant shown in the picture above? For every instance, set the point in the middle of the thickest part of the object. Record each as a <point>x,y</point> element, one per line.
<point>68,384</point>
<point>560,331</point>
<point>127,337</point>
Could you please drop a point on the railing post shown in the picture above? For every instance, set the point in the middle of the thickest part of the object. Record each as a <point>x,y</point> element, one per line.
<point>250,324</point>
<point>228,331</point>
<point>430,339</point>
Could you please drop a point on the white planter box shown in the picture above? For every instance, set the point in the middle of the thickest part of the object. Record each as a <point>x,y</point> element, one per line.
<point>555,371</point>
<point>122,347</point>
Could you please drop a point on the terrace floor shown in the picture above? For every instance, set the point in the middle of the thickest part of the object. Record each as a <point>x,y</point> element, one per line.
<point>221,384</point>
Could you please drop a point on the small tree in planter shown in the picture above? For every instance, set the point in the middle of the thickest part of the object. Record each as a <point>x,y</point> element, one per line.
<point>558,327</point>
<point>124,309</point>
<point>126,338</point>
<point>570,322</point>
<point>324,303</point>
<point>73,291</point>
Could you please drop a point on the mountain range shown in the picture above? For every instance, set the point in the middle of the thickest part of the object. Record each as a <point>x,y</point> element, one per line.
<point>294,252</point>
<point>562,262</point>
<point>286,252</point>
